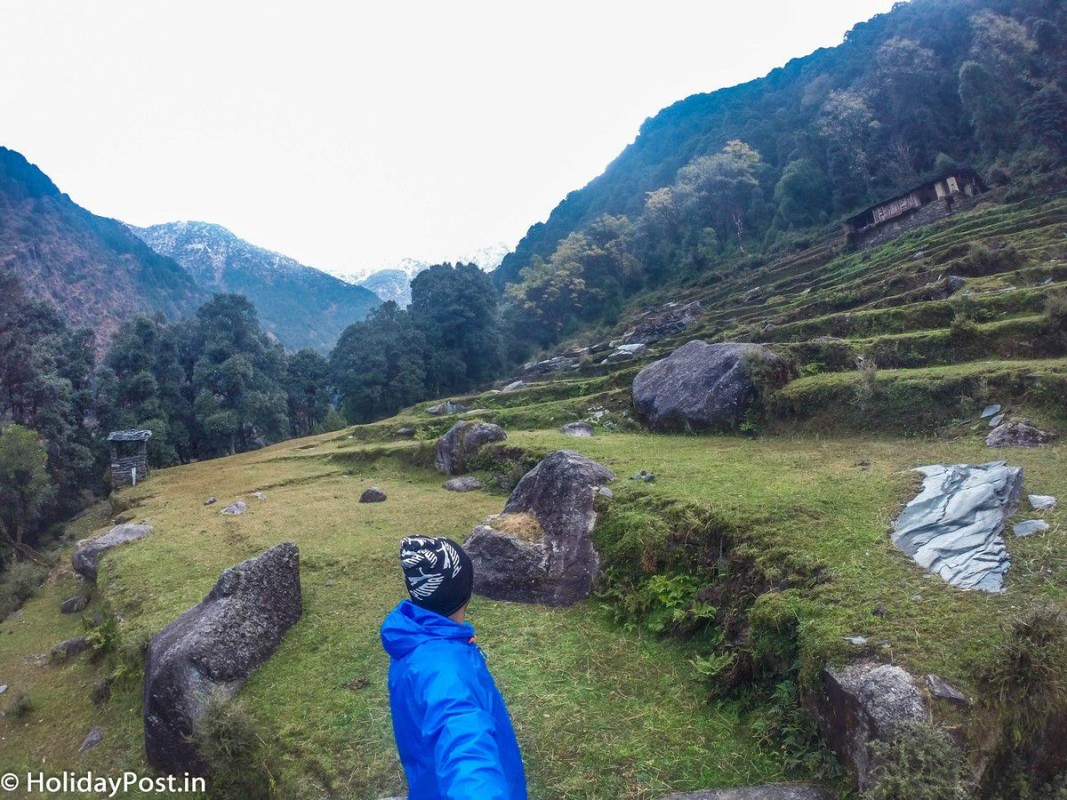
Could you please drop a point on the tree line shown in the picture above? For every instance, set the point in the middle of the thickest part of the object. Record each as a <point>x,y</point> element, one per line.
<point>212,385</point>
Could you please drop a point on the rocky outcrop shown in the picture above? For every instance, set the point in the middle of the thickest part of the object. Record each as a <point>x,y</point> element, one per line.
<point>86,558</point>
<point>701,386</point>
<point>1018,433</point>
<point>465,484</point>
<point>462,441</point>
<point>862,703</point>
<point>540,550</point>
<point>447,407</point>
<point>211,649</point>
<point>773,792</point>
<point>666,321</point>
<point>954,527</point>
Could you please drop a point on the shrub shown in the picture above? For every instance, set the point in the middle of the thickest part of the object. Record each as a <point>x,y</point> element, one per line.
<point>18,583</point>
<point>226,739</point>
<point>21,704</point>
<point>920,762</point>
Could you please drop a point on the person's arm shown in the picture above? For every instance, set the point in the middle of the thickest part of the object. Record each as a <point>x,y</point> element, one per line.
<point>463,735</point>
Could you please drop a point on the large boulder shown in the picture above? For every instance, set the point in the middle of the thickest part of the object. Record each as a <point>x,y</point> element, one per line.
<point>462,441</point>
<point>86,558</point>
<point>701,386</point>
<point>212,649</point>
<point>954,527</point>
<point>863,703</point>
<point>540,550</point>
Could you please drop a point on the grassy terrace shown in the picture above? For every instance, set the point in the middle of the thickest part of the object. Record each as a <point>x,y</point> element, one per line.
<point>601,711</point>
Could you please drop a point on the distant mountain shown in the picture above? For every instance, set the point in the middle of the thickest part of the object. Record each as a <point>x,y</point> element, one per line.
<point>93,269</point>
<point>392,284</point>
<point>302,306</point>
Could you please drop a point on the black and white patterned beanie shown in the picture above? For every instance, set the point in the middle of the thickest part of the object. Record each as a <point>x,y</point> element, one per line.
<point>438,574</point>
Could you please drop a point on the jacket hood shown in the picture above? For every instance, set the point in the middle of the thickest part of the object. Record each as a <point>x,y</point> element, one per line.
<point>409,625</point>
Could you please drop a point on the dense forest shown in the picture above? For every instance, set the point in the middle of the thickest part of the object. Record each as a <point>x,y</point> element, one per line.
<point>722,178</point>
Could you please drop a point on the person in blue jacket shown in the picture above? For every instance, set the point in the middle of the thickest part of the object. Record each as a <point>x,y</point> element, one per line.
<point>452,729</point>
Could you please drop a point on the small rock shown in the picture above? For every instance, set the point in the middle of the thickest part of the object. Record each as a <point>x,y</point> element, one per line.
<point>463,440</point>
<point>465,484</point>
<point>236,507</point>
<point>448,407</point>
<point>879,611</point>
<point>943,690</point>
<point>92,740</point>
<point>101,692</point>
<point>1029,527</point>
<point>259,495</point>
<point>1042,502</point>
<point>857,641</point>
<point>210,501</point>
<point>372,495</point>
<point>647,477</point>
<point>579,429</point>
<point>69,648</point>
<point>514,385</point>
<point>3,688</point>
<point>990,411</point>
<point>999,418</point>
<point>74,604</point>
<point>916,597</point>
<point>404,433</point>
<point>604,491</point>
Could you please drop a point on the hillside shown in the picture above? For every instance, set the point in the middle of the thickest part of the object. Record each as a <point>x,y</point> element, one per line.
<point>302,306</point>
<point>782,531</point>
<point>91,268</point>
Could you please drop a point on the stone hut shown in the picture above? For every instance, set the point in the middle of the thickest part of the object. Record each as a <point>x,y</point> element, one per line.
<point>129,457</point>
<point>934,199</point>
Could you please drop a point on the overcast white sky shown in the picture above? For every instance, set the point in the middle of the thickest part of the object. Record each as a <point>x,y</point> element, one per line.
<point>351,134</point>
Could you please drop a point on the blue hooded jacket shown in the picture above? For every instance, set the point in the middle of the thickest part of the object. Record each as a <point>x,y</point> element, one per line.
<point>452,730</point>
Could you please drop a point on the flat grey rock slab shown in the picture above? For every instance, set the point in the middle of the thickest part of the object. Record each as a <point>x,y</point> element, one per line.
<point>990,411</point>
<point>1042,502</point>
<point>1029,527</point>
<point>775,792</point>
<point>234,508</point>
<point>954,527</point>
<point>464,484</point>
<point>86,558</point>
<point>579,429</point>
<point>943,690</point>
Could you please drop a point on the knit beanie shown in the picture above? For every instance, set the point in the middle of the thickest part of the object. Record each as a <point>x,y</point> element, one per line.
<point>438,574</point>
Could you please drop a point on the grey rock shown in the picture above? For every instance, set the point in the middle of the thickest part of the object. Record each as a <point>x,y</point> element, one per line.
<point>1018,433</point>
<point>990,411</point>
<point>578,429</point>
<point>447,407</point>
<point>212,649</point>
<point>862,703</point>
<point>604,491</point>
<point>465,484</point>
<point>1029,527</point>
<point>943,690</point>
<point>1042,502</point>
<point>513,386</point>
<point>101,692</point>
<point>86,558</point>
<point>462,441</point>
<point>552,560</point>
<point>69,648</point>
<point>856,641</point>
<point>210,501</point>
<point>235,508</point>
<point>994,421</point>
<point>699,386</point>
<point>372,495</point>
<point>954,283</point>
<point>3,688</point>
<point>92,740</point>
<point>669,320</point>
<point>954,526</point>
<point>406,432</point>
<point>259,495</point>
<point>770,792</point>
<point>74,604</point>
<point>647,477</point>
